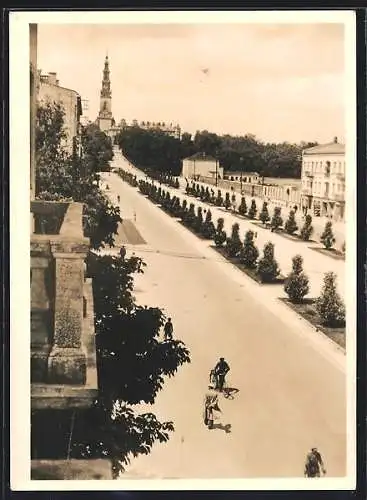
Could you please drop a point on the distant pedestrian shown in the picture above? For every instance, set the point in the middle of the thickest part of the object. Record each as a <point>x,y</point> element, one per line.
<point>118,198</point>
<point>168,330</point>
<point>123,252</point>
<point>314,465</point>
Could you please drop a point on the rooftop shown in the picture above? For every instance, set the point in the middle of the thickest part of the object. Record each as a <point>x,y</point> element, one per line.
<point>333,147</point>
<point>238,173</point>
<point>201,157</point>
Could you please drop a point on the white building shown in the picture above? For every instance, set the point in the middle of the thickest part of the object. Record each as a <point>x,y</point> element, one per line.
<point>323,180</point>
<point>245,177</point>
<point>201,165</point>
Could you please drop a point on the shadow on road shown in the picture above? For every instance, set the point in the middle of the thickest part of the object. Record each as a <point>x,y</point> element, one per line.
<point>226,428</point>
<point>229,392</point>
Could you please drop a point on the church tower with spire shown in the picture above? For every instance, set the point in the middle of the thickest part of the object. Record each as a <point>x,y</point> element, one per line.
<point>105,119</point>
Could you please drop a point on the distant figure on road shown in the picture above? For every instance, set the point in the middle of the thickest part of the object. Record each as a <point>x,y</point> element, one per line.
<point>220,371</point>
<point>123,252</point>
<point>168,330</point>
<point>210,404</point>
<point>107,187</point>
<point>314,465</point>
<point>118,198</point>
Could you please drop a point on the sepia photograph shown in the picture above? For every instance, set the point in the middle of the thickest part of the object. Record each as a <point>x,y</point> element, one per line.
<point>189,181</point>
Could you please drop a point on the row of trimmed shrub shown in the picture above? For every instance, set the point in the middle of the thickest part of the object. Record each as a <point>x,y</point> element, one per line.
<point>276,221</point>
<point>329,304</point>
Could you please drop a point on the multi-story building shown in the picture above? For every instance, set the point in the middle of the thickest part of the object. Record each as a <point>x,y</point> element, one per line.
<point>174,130</point>
<point>201,166</point>
<point>323,180</point>
<point>51,91</point>
<point>244,177</point>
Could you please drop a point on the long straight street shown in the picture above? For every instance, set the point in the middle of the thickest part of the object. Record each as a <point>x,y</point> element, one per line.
<point>315,263</point>
<point>291,395</point>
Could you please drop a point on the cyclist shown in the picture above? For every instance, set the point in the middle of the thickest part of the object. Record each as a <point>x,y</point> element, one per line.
<point>220,371</point>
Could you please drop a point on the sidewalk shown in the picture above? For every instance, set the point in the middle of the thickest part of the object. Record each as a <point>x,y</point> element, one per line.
<point>317,222</point>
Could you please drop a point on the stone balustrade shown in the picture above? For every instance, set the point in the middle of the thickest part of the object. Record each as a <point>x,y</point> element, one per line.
<point>62,324</point>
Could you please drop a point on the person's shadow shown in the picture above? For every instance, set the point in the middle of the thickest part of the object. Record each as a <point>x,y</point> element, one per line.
<point>229,392</point>
<point>226,428</point>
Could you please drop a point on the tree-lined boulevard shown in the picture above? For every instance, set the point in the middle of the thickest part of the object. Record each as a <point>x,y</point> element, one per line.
<point>292,392</point>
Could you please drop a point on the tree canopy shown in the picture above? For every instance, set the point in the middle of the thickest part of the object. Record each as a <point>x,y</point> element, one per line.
<point>155,151</point>
<point>62,175</point>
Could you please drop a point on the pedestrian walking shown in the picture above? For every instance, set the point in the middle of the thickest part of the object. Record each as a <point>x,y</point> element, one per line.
<point>314,465</point>
<point>123,252</point>
<point>168,330</point>
<point>118,198</point>
<point>210,405</point>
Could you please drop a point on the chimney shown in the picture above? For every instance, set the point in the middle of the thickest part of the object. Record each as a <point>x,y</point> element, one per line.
<point>335,140</point>
<point>52,78</point>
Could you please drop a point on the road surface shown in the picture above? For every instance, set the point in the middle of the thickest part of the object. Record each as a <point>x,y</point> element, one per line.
<point>290,396</point>
<point>315,264</point>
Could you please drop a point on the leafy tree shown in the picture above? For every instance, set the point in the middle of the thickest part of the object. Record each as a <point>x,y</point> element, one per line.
<point>133,361</point>
<point>291,224</point>
<point>227,201</point>
<point>253,210</point>
<point>208,226</point>
<point>97,149</point>
<point>198,223</point>
<point>307,228</point>
<point>54,164</point>
<point>276,220</point>
<point>234,244</point>
<point>329,305</point>
<point>220,236</point>
<point>267,267</point>
<point>191,216</point>
<point>184,209</point>
<point>219,199</point>
<point>327,238</point>
<point>249,253</point>
<point>264,214</point>
<point>152,150</point>
<point>61,176</point>
<point>296,284</point>
<point>242,209</point>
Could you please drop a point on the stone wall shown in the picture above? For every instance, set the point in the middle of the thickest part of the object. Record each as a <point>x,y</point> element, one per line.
<point>62,325</point>
<point>277,194</point>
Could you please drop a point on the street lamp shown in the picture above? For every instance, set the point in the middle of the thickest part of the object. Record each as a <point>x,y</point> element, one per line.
<point>216,168</point>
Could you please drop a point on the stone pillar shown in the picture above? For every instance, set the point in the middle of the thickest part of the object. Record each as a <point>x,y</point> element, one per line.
<point>67,363</point>
<point>40,319</point>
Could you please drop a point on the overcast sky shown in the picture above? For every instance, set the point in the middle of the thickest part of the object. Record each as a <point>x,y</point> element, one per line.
<point>279,82</point>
